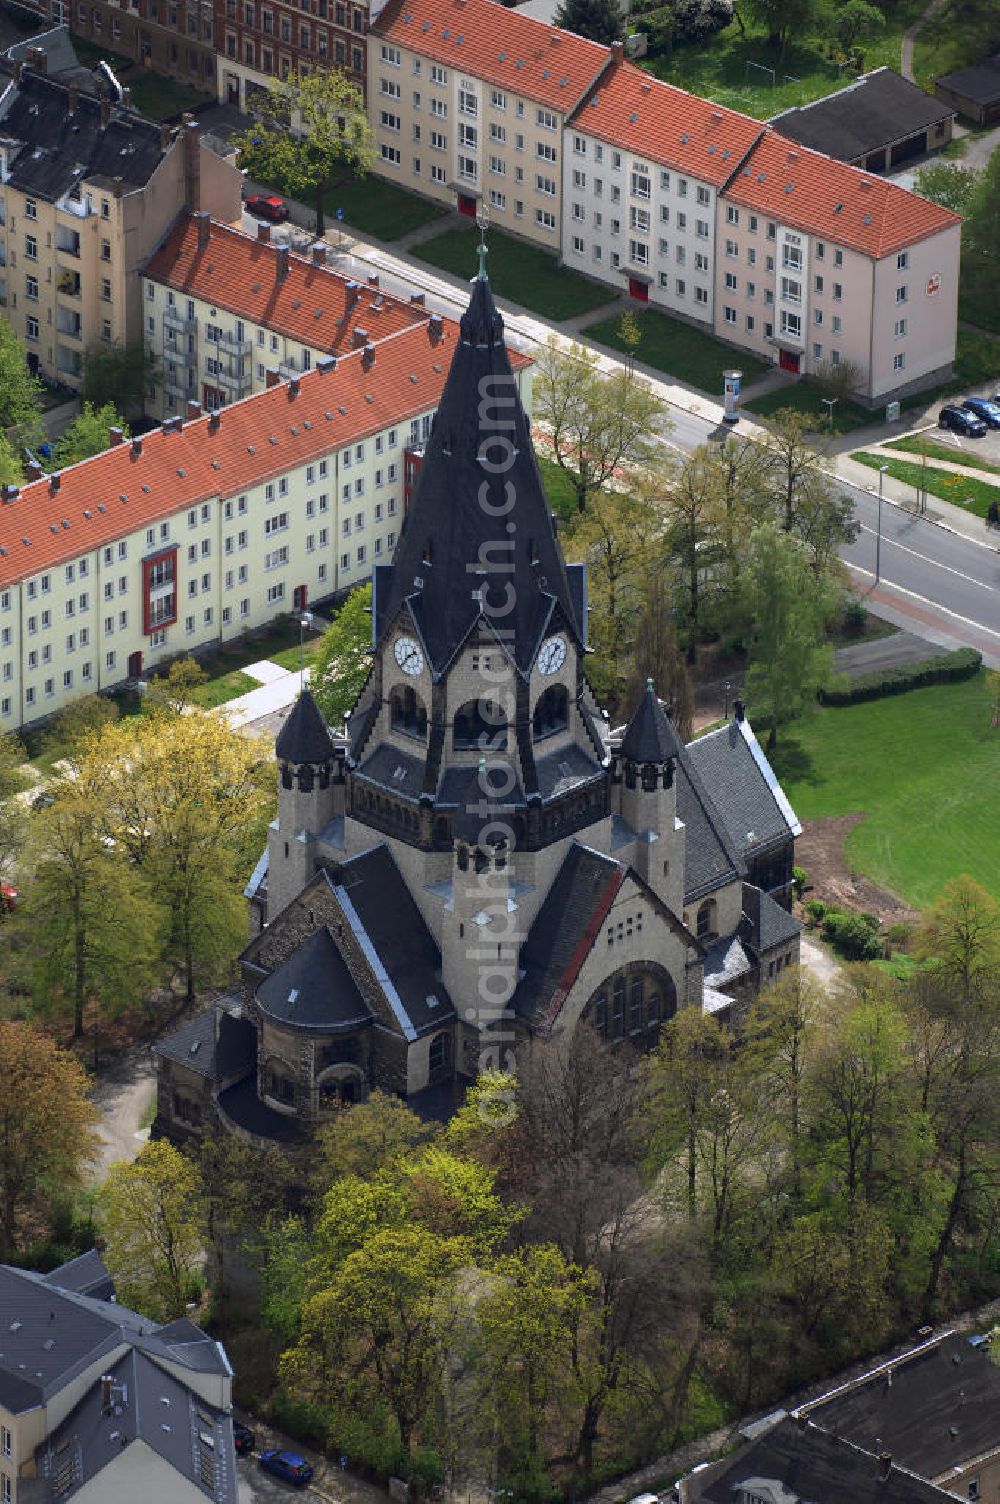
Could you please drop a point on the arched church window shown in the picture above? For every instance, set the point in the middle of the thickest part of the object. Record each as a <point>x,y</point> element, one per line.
<point>635,999</point>
<point>618,1006</point>
<point>407,712</point>
<point>705,927</point>
<point>551,712</point>
<point>632,1005</point>
<point>480,725</point>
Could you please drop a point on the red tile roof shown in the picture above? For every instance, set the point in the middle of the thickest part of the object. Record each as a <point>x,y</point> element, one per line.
<point>238,272</point>
<point>638,113</point>
<point>814,193</point>
<point>488,41</point>
<point>263,436</point>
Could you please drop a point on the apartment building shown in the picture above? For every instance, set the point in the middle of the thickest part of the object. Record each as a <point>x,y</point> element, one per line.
<point>221,309</point>
<point>99,1405</point>
<point>213,524</point>
<point>818,263</point>
<point>87,189</point>
<point>173,37</point>
<point>643,165</point>
<point>260,40</point>
<point>468,102</point>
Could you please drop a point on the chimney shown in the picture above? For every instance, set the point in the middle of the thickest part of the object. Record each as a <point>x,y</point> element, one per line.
<point>192,164</point>
<point>32,470</point>
<point>435,328</point>
<point>37,58</point>
<point>115,437</point>
<point>368,356</point>
<point>272,377</point>
<point>281,262</point>
<point>739,710</point>
<point>193,409</point>
<point>214,421</point>
<point>319,253</point>
<point>74,99</point>
<point>136,448</point>
<point>18,70</point>
<point>118,187</point>
<point>359,337</point>
<point>204,222</point>
<point>105,107</point>
<point>418,299</point>
<point>885,1466</point>
<point>173,424</point>
<point>55,481</point>
<point>264,233</point>
<point>166,136</point>
<point>106,1393</point>
<point>373,280</point>
<point>617,52</point>
<point>126,99</point>
<point>326,363</point>
<point>9,493</point>
<point>293,387</point>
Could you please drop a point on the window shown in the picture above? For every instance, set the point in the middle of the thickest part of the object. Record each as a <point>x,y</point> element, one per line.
<point>438,75</point>
<point>902,262</point>
<point>638,252</point>
<point>545,185</point>
<point>901,294</point>
<point>791,255</point>
<point>751,323</point>
<point>640,185</point>
<point>791,290</point>
<point>817,316</point>
<point>391,154</point>
<point>729,314</point>
<point>498,99</point>
<point>31,247</point>
<point>730,282</point>
<point>838,258</point>
<point>900,328</point>
<point>275,593</point>
<point>545,219</point>
<point>545,152</point>
<point>546,119</point>
<point>817,352</point>
<point>468,104</point>
<point>836,323</point>
<point>390,55</point>
<point>899,361</point>
<point>704,197</point>
<point>791,324</point>
<point>838,292</point>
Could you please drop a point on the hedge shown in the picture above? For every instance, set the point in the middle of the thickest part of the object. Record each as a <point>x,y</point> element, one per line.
<point>961,664</point>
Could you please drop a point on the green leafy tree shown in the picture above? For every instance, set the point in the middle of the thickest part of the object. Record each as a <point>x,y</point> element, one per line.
<point>804,501</point>
<point>789,607</point>
<point>372,1136</point>
<point>88,434</point>
<point>20,392</point>
<point>175,691</point>
<point>597,423</point>
<point>343,661</point>
<point>329,142</point>
<point>154,1230</point>
<point>243,1188</point>
<point>11,470</point>
<point>782,19</point>
<point>658,657</point>
<point>118,376</point>
<point>13,821</point>
<point>72,732</point>
<point>600,20</point>
<point>46,1128</point>
<point>948,184</point>
<point>853,21</point>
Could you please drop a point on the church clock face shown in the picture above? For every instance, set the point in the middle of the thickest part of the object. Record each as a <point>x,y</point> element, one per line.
<point>552,655</point>
<point>408,655</point>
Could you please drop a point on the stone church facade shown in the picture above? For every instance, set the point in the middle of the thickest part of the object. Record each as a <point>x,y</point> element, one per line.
<point>481,860</point>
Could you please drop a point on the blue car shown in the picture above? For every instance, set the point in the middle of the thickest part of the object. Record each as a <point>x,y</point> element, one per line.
<point>960,420</point>
<point>288,1465</point>
<point>985,408</point>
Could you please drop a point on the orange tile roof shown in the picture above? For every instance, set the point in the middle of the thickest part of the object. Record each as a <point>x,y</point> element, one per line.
<point>238,272</point>
<point>488,41</point>
<point>814,193</point>
<point>263,436</point>
<point>639,113</point>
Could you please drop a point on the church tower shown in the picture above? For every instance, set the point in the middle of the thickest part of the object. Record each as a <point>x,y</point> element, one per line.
<point>310,795</point>
<point>643,773</point>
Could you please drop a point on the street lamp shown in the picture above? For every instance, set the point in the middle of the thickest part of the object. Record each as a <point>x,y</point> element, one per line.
<point>305,621</point>
<point>728,688</point>
<point>878,527</point>
<point>830,403</point>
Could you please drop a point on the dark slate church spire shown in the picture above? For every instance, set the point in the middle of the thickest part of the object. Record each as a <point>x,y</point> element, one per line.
<point>479,539</point>
<point>304,736</point>
<point>650,736</point>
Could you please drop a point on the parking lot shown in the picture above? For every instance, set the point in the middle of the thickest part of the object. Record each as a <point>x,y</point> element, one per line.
<point>986,448</point>
<point>254,1486</point>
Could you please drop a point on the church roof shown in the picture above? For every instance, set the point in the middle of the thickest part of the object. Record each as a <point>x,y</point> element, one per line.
<point>304,736</point>
<point>479,526</point>
<point>650,735</point>
<point>744,787</point>
<point>313,990</point>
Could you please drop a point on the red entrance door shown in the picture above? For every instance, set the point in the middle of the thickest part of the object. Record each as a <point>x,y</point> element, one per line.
<point>300,597</point>
<point>466,205</point>
<point>638,290</point>
<point>134,665</point>
<point>788,360</point>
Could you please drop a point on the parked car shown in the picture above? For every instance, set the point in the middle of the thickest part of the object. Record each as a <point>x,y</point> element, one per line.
<point>961,421</point>
<point>243,1438</point>
<point>8,898</point>
<point>288,1465</point>
<point>984,407</point>
<point>44,800</point>
<point>268,206</point>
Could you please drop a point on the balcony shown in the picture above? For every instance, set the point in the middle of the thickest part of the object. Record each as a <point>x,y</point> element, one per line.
<point>173,318</point>
<point>68,322</point>
<point>288,368</point>
<point>233,381</point>
<point>68,283</point>
<point>234,346</point>
<point>67,241</point>
<point>179,354</point>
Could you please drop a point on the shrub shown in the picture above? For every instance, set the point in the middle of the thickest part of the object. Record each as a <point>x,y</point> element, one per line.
<point>301,1420</point>
<point>899,934</point>
<point>855,617</point>
<point>816,910</point>
<point>852,935</point>
<point>961,664</point>
<point>800,879</point>
<point>683,21</point>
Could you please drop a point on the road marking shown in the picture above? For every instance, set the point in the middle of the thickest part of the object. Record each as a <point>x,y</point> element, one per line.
<point>969,578</point>
<point>976,626</point>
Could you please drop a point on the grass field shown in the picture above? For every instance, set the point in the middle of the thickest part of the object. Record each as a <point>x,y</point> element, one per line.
<point>913,444</point>
<point>155,97</point>
<point>378,208</point>
<point>804,398</point>
<point>948,485</point>
<point>518,271</point>
<point>733,66</point>
<point>948,41</point>
<point>922,766</point>
<point>222,687</point>
<point>679,350</point>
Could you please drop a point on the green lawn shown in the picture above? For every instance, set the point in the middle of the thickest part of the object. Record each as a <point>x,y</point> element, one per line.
<point>521,272</point>
<point>804,398</point>
<point>680,350</point>
<point>922,766</point>
<point>948,41</point>
<point>718,67</point>
<point>558,488</point>
<point>915,444</point>
<point>292,658</point>
<point>948,485</point>
<point>222,687</point>
<point>378,208</point>
<point>155,97</point>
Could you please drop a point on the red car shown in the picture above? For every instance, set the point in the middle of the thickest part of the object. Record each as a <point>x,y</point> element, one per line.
<point>268,206</point>
<point>8,898</point>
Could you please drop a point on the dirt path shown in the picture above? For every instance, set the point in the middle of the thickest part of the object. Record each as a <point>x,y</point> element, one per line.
<point>910,36</point>
<point>124,1096</point>
<point>821,850</point>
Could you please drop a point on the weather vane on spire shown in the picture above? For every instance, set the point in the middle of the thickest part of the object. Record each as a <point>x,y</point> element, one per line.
<point>483,222</point>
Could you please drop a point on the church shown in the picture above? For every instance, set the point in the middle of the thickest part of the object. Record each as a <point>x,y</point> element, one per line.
<point>481,860</point>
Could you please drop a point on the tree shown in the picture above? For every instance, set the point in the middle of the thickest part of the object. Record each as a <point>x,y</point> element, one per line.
<point>242,1188</point>
<point>96,931</point>
<point>658,657</point>
<point>782,19</point>
<point>981,233</point>
<point>804,500</point>
<point>88,434</point>
<point>838,381</point>
<point>153,1229</point>
<point>853,21</point>
<point>46,1127</point>
<point>948,184</point>
<point>600,20</point>
<point>629,329</point>
<point>13,820</point>
<point>597,423</point>
<point>11,471</point>
<point>343,661</point>
<point>693,540</point>
<point>174,691</point>
<point>189,798</point>
<point>72,731</point>
<point>959,938</point>
<point>365,1140</point>
<point>789,658</point>
<point>20,404</point>
<point>313,135</point>
<point>118,376</point>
